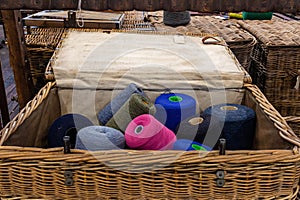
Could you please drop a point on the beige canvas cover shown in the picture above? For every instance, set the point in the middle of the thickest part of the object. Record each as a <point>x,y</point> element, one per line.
<point>98,60</point>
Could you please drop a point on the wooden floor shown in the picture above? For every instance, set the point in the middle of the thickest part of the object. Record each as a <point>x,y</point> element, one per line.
<point>8,79</point>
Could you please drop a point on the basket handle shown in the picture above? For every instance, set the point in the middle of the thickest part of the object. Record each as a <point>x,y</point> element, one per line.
<point>213,40</point>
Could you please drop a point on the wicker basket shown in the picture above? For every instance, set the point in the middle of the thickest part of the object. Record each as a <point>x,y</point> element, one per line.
<point>126,174</point>
<point>135,20</point>
<point>41,44</point>
<point>269,172</point>
<point>240,41</point>
<point>275,62</point>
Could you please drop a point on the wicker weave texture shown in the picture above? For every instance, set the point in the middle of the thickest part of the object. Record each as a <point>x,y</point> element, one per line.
<point>275,62</point>
<point>294,122</point>
<point>128,175</point>
<point>44,37</point>
<point>240,41</point>
<point>41,44</point>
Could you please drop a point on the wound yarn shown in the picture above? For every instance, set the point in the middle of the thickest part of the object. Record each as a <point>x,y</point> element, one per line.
<point>172,108</point>
<point>98,138</point>
<point>117,102</point>
<point>239,124</point>
<point>189,145</point>
<point>66,125</point>
<point>134,107</point>
<point>203,129</point>
<point>147,133</point>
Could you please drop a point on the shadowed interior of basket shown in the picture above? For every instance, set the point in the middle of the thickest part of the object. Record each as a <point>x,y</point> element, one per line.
<point>33,132</point>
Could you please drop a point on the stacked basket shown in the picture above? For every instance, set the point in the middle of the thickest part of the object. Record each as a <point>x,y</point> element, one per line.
<point>239,41</point>
<point>41,43</point>
<point>271,171</point>
<point>275,63</point>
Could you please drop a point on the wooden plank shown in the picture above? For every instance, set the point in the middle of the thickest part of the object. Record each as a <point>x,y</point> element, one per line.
<point>17,51</point>
<point>88,15</point>
<point>3,100</point>
<point>60,19</point>
<point>58,23</point>
<point>283,6</point>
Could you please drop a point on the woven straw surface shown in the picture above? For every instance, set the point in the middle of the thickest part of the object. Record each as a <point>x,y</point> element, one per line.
<point>294,122</point>
<point>40,173</point>
<point>275,62</point>
<point>240,41</point>
<point>44,37</point>
<point>41,44</point>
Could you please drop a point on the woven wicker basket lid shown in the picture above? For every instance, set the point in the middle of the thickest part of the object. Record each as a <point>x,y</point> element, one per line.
<point>44,37</point>
<point>230,30</point>
<point>274,32</point>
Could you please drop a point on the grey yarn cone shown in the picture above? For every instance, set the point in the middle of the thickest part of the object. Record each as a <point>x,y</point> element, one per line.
<point>97,138</point>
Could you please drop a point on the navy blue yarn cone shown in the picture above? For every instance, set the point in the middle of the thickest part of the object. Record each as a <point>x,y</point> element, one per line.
<point>189,145</point>
<point>239,124</point>
<point>111,108</point>
<point>200,128</point>
<point>66,125</point>
<point>97,138</point>
<point>172,108</point>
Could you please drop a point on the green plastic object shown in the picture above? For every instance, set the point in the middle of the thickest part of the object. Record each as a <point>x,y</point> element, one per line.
<point>175,99</point>
<point>257,15</point>
<point>198,147</point>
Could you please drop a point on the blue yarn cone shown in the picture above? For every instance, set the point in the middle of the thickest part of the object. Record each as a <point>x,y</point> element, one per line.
<point>189,145</point>
<point>66,125</point>
<point>172,108</point>
<point>200,128</point>
<point>239,124</point>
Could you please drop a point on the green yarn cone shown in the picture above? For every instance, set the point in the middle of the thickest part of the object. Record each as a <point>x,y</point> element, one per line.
<point>137,105</point>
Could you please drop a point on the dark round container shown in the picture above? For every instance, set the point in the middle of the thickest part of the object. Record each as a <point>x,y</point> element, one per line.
<point>177,18</point>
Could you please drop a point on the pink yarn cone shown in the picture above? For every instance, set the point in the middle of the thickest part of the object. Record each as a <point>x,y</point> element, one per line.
<point>147,133</point>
